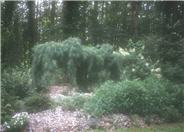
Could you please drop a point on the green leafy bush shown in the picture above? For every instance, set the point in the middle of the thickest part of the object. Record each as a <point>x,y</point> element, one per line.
<point>75,102</point>
<point>145,98</point>
<point>38,102</point>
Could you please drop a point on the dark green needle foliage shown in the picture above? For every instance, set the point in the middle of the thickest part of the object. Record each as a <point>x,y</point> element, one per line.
<point>82,64</point>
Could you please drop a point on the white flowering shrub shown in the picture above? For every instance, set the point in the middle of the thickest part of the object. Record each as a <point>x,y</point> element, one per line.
<point>17,123</point>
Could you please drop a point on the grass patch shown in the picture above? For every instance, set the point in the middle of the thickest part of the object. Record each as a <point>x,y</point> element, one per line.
<point>174,127</point>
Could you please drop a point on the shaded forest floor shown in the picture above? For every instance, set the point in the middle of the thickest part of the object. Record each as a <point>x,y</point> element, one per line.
<point>59,119</point>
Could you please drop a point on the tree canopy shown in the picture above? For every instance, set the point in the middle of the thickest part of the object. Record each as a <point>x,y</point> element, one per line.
<point>158,24</point>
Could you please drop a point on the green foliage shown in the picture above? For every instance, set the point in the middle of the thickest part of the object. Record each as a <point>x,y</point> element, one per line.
<point>7,111</point>
<point>177,99</point>
<point>81,64</point>
<point>19,106</point>
<point>74,103</point>
<point>16,82</point>
<point>71,19</point>
<point>15,85</point>
<point>105,99</point>
<point>145,97</point>
<point>151,47</point>
<point>135,65</point>
<point>168,51</point>
<point>17,123</point>
<point>38,102</point>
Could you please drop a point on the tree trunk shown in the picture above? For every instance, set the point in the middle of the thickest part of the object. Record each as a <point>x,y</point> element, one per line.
<point>31,27</point>
<point>8,12</point>
<point>8,9</point>
<point>52,19</point>
<point>134,18</point>
<point>70,19</point>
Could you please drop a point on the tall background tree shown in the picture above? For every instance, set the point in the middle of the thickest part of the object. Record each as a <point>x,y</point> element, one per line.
<point>8,9</point>
<point>26,23</point>
<point>70,19</point>
<point>31,30</point>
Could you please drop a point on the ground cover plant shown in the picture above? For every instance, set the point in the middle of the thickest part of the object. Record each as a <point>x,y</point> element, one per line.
<point>76,102</point>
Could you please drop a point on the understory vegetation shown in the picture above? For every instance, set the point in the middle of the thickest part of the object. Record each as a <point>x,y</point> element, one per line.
<point>127,55</point>
<point>121,81</point>
<point>18,95</point>
<point>75,103</point>
<point>151,96</point>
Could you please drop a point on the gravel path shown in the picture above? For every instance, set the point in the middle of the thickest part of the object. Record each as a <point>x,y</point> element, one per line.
<point>57,120</point>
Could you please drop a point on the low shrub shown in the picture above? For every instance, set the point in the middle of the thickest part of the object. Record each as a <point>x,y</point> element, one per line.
<point>104,101</point>
<point>146,97</point>
<point>7,111</point>
<point>20,106</point>
<point>177,94</point>
<point>75,102</point>
<point>135,66</point>
<point>135,63</point>
<point>15,85</point>
<point>38,102</point>
<point>16,82</point>
<point>17,123</point>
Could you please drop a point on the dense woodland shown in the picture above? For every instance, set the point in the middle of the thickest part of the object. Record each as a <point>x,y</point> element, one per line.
<point>129,51</point>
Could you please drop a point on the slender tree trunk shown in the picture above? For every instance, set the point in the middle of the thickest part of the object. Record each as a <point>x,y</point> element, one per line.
<point>70,19</point>
<point>52,19</point>
<point>7,22</point>
<point>134,18</point>
<point>94,24</point>
<point>53,12</point>
<point>8,13</point>
<point>31,30</point>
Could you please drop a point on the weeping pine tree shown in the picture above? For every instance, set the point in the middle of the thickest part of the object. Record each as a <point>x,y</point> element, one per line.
<point>82,64</point>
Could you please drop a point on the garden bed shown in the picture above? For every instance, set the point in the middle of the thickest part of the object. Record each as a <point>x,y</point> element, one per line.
<point>58,119</point>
